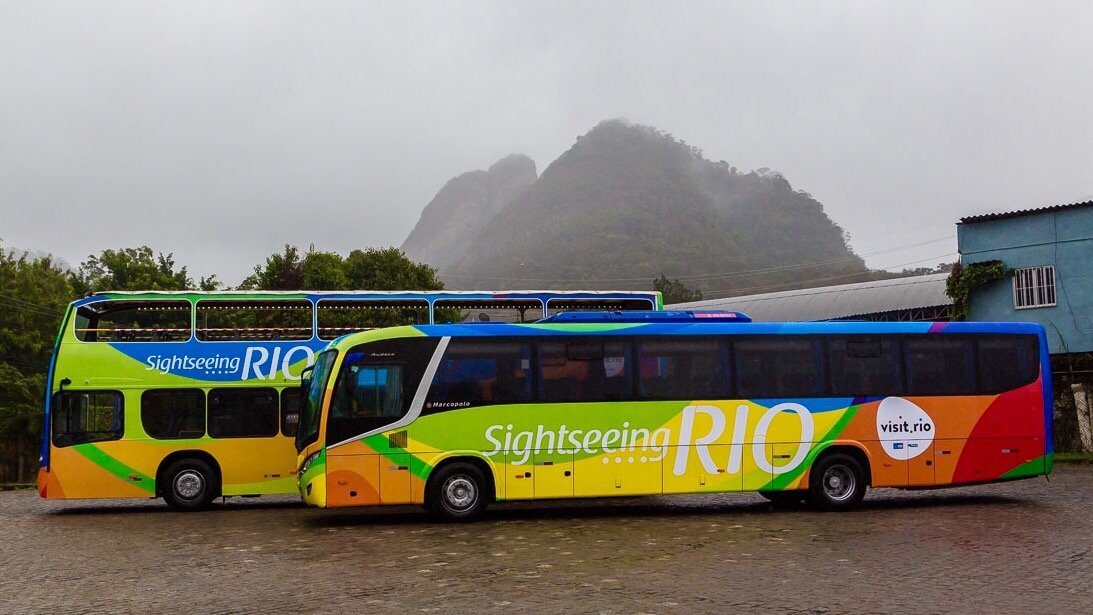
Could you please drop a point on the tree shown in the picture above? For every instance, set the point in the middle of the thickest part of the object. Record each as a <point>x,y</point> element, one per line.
<point>324,271</point>
<point>34,293</point>
<point>133,269</point>
<point>674,291</point>
<point>388,269</point>
<point>20,423</point>
<point>280,272</point>
<point>371,269</point>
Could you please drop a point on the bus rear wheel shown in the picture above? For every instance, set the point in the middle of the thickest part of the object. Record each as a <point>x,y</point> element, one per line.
<point>837,482</point>
<point>457,493</point>
<point>190,484</point>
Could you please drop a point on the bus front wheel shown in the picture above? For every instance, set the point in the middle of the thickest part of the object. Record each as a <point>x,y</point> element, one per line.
<point>190,484</point>
<point>837,482</point>
<point>457,492</point>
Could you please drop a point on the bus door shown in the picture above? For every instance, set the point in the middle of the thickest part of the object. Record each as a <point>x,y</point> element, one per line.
<point>367,398</point>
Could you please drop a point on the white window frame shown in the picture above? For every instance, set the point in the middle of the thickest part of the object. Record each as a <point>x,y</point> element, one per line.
<point>1034,287</point>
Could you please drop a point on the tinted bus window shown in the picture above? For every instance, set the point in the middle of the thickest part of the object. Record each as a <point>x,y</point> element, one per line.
<point>939,365</point>
<point>490,310</point>
<point>864,367</point>
<point>133,321</point>
<point>292,403</point>
<point>173,414</point>
<point>478,373</point>
<point>339,317</point>
<point>562,304</point>
<point>683,368</point>
<point>243,413</point>
<point>253,320</point>
<point>375,385</point>
<point>1007,362</point>
<point>87,416</point>
<point>586,370</point>
<point>778,366</point>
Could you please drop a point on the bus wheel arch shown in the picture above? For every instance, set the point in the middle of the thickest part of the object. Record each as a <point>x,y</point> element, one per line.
<point>839,477</point>
<point>459,488</point>
<point>189,480</point>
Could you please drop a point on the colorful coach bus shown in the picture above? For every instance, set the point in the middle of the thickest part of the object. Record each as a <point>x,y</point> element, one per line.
<point>457,416</point>
<point>193,395</point>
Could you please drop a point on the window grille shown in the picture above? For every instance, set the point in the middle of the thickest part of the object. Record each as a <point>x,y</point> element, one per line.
<point>1034,287</point>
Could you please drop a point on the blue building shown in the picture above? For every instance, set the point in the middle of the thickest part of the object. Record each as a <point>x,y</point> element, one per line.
<point>1050,253</point>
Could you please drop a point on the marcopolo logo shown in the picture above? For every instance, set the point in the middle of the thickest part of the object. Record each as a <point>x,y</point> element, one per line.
<point>904,429</point>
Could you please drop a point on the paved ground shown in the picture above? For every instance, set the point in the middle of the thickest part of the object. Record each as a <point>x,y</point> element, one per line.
<point>1018,547</point>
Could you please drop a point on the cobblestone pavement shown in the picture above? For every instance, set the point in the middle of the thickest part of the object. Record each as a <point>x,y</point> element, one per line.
<point>1015,547</point>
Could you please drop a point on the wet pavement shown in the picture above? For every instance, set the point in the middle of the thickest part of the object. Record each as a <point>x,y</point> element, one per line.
<point>1023,547</point>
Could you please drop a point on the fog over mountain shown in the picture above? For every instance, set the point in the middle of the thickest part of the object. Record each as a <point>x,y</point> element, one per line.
<point>623,205</point>
<point>453,219</point>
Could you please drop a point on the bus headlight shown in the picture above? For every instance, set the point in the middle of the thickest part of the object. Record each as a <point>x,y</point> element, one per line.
<point>307,463</point>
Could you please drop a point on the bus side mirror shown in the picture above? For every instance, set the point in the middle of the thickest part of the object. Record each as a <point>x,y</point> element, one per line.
<point>305,379</point>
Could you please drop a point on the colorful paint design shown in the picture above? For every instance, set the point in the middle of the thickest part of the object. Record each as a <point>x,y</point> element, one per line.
<point>127,467</point>
<point>538,451</point>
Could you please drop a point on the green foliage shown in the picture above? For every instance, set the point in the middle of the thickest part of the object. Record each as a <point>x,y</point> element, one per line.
<point>963,279</point>
<point>33,294</point>
<point>133,269</point>
<point>284,271</point>
<point>371,269</point>
<point>388,269</point>
<point>20,423</point>
<point>674,291</point>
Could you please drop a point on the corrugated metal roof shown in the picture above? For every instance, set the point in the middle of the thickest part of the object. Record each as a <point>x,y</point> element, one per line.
<point>830,302</point>
<point>1022,212</point>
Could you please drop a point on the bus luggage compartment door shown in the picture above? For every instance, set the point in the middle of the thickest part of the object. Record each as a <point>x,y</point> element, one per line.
<point>552,474</point>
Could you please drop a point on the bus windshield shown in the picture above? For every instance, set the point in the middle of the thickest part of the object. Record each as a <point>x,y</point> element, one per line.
<point>308,429</point>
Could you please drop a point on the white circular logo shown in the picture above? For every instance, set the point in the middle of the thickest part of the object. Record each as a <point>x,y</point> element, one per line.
<point>904,429</point>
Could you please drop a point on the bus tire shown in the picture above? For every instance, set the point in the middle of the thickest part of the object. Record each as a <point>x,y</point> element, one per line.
<point>457,493</point>
<point>190,484</point>
<point>837,482</point>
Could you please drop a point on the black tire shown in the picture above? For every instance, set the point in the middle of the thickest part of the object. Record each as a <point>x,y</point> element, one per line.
<point>457,493</point>
<point>837,482</point>
<point>190,484</point>
<point>785,498</point>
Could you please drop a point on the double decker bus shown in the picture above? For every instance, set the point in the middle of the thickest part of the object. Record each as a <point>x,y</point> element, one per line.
<point>194,395</point>
<point>590,405</point>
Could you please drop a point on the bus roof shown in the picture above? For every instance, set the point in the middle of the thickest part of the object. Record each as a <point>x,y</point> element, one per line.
<point>495,330</point>
<point>316,295</point>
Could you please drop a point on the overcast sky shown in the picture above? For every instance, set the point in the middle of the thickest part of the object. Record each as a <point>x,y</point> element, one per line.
<point>220,131</point>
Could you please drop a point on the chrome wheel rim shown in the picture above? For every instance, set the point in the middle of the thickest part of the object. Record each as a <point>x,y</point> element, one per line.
<point>460,493</point>
<point>839,483</point>
<point>189,484</point>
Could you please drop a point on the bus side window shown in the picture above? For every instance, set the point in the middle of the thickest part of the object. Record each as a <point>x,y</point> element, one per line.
<point>683,368</point>
<point>292,403</point>
<point>475,373</point>
<point>865,366</point>
<point>583,370</point>
<point>243,413</point>
<point>80,417</point>
<point>939,365</point>
<point>173,414</point>
<point>1007,362</point>
<point>779,367</point>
